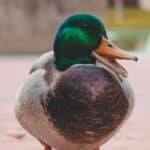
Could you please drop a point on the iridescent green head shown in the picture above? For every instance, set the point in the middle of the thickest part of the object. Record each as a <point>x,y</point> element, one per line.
<point>75,40</point>
<point>82,39</point>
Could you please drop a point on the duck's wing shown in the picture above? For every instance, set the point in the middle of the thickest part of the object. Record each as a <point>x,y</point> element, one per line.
<point>38,81</point>
<point>33,91</point>
<point>43,62</point>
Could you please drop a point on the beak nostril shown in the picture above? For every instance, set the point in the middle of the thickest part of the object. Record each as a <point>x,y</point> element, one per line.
<point>109,45</point>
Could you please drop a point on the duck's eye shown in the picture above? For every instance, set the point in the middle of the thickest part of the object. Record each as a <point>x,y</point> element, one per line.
<point>109,45</point>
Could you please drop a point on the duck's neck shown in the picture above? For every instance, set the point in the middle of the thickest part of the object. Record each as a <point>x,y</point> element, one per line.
<point>63,63</point>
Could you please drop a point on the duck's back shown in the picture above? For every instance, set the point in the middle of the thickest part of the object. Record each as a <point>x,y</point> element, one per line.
<point>83,108</point>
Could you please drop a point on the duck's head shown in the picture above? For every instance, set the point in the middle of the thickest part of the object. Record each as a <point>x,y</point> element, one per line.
<point>82,39</point>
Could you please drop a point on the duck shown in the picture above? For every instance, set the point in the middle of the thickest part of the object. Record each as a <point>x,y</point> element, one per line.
<point>77,96</point>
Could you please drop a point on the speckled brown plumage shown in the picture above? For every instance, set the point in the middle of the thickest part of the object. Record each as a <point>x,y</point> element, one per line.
<point>88,104</point>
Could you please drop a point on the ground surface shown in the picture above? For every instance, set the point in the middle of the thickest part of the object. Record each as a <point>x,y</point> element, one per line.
<point>135,135</point>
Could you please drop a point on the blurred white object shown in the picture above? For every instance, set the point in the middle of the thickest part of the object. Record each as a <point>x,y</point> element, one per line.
<point>145,4</point>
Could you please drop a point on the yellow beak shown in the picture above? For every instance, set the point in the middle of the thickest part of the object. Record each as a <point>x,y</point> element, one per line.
<point>107,52</point>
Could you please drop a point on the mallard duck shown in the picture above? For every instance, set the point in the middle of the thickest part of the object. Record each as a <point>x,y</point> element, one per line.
<point>77,96</point>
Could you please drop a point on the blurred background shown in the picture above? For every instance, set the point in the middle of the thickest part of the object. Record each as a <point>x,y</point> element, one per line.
<point>27,29</point>
<point>30,25</point>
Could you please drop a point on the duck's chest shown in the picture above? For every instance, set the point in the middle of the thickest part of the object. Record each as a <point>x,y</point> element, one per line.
<point>126,87</point>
